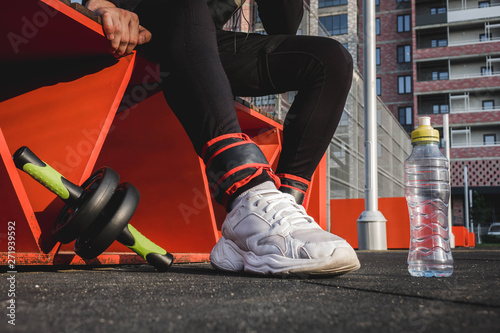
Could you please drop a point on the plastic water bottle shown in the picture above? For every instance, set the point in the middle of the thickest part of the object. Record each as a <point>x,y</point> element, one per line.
<point>427,191</point>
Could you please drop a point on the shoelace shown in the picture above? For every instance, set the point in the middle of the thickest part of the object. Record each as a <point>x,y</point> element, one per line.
<point>291,212</point>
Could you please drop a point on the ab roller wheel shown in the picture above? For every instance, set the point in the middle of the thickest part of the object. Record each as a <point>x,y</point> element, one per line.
<point>96,214</point>
<point>110,223</point>
<point>97,192</point>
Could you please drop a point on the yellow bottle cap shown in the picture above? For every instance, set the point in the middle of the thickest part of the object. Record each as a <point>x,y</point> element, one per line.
<point>424,131</point>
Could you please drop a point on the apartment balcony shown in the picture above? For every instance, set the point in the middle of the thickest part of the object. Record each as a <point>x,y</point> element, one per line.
<point>475,136</point>
<point>478,83</point>
<point>479,66</point>
<point>464,106</point>
<point>442,13</point>
<point>427,19</point>
<point>460,76</point>
<point>481,107</point>
<point>475,144</point>
<point>432,38</point>
<point>430,12</point>
<point>471,12</point>
<point>470,33</point>
<point>472,41</point>
<point>459,68</point>
<point>474,33</point>
<point>473,110</point>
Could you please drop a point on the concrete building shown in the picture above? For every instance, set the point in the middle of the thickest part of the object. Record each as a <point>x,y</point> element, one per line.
<point>338,19</point>
<point>436,57</point>
<point>347,150</point>
<point>456,59</point>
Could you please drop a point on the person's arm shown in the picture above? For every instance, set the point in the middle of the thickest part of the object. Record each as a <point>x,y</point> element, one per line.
<point>280,16</point>
<point>120,26</point>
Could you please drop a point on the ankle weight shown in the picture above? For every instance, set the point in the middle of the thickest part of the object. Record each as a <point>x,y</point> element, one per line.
<point>234,163</point>
<point>294,185</point>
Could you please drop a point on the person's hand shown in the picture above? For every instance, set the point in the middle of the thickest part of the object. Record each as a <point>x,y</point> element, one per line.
<point>120,26</point>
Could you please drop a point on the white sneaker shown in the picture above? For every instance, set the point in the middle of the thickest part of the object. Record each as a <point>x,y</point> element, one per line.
<point>266,232</point>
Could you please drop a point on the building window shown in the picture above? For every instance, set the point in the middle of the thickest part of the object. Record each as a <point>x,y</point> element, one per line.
<point>405,115</point>
<point>339,150</point>
<point>404,23</point>
<point>489,139</point>
<point>377,56</point>
<point>484,37</point>
<point>404,84</point>
<point>404,54</point>
<point>344,119</point>
<point>377,2</point>
<point>439,75</point>
<point>264,100</point>
<point>256,15</point>
<point>330,3</point>
<point>379,86</point>
<point>377,26</point>
<point>440,108</point>
<point>486,71</point>
<point>335,25</point>
<point>438,10</point>
<point>489,105</point>
<point>398,1</point>
<point>439,42</point>
<point>483,4</point>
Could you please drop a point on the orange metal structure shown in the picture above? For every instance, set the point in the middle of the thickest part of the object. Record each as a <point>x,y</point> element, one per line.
<point>78,108</point>
<point>345,213</point>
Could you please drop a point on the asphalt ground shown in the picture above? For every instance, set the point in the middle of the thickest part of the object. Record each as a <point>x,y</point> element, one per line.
<point>380,297</point>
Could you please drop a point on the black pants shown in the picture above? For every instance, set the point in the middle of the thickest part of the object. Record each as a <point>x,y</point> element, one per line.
<point>207,67</point>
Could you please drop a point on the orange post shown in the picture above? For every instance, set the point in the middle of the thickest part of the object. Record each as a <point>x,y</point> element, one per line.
<point>345,212</point>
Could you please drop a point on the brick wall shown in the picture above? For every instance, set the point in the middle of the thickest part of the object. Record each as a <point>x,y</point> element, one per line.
<point>486,152</point>
<point>457,51</point>
<point>471,118</point>
<point>457,85</point>
<point>480,172</point>
<point>388,41</point>
<point>390,93</point>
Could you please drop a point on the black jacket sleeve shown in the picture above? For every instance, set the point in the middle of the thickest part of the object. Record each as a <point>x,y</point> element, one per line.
<point>125,4</point>
<point>280,16</point>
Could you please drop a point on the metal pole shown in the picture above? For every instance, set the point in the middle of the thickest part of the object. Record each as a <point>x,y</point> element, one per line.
<point>277,103</point>
<point>371,224</point>
<point>446,137</point>
<point>479,241</point>
<point>471,218</point>
<point>466,199</point>
<point>328,184</point>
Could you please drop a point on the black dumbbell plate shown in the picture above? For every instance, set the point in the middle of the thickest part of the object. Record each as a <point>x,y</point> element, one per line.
<point>105,230</point>
<point>98,191</point>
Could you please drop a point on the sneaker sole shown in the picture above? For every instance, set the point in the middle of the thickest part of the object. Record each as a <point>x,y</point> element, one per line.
<point>227,256</point>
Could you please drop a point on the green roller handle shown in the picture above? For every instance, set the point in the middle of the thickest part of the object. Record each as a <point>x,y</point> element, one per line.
<point>149,251</point>
<point>26,160</point>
